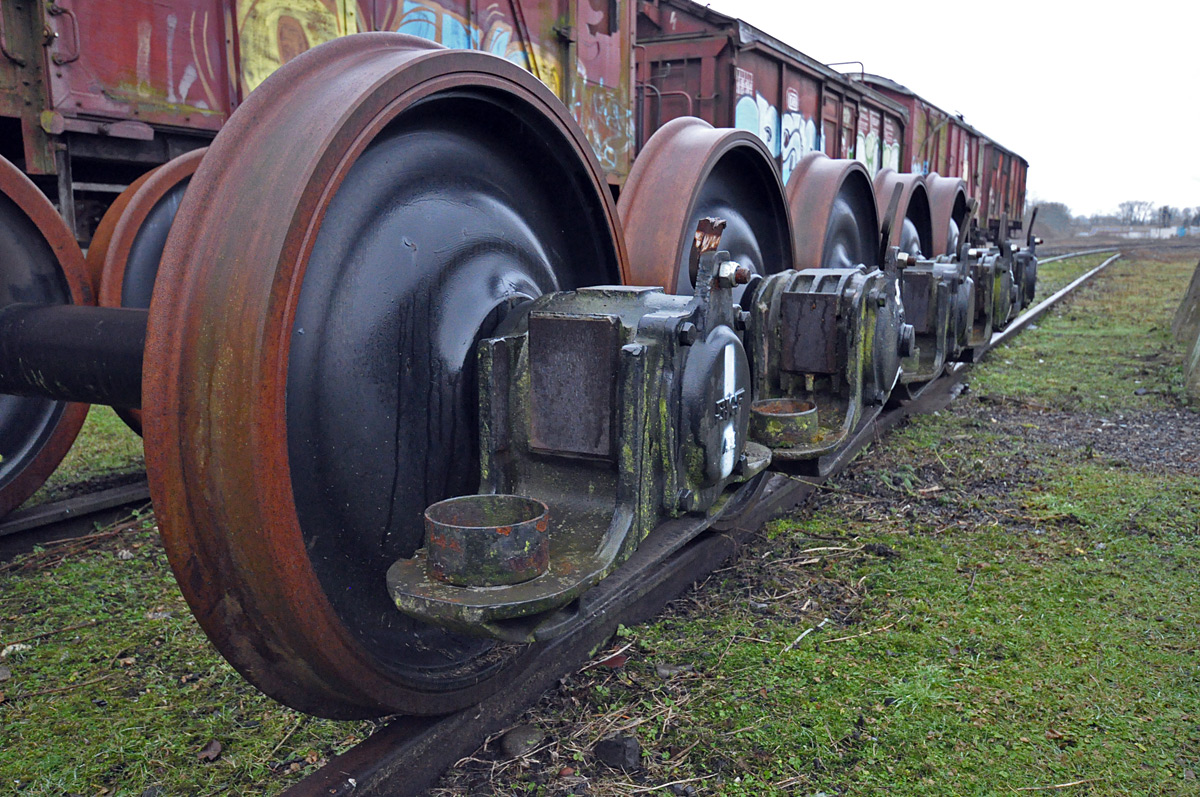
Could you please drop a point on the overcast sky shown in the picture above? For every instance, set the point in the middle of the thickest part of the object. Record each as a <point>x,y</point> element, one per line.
<point>1103,100</point>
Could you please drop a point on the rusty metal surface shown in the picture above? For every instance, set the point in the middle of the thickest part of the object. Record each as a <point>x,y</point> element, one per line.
<point>121,228</point>
<point>408,756</point>
<point>679,417</point>
<point>117,70</point>
<point>810,336</point>
<point>913,208</point>
<point>690,170</point>
<point>487,540</point>
<point>217,359</point>
<point>32,454</point>
<point>947,206</point>
<point>783,422</point>
<point>938,141</point>
<point>919,293</point>
<point>573,382</point>
<point>834,214</point>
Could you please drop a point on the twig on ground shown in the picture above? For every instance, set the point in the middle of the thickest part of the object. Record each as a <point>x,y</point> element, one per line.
<point>44,634</point>
<point>286,736</point>
<point>646,789</point>
<point>1059,785</point>
<point>606,657</point>
<point>866,633</point>
<point>796,641</point>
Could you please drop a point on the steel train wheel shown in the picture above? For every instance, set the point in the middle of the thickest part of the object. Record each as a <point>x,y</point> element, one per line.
<point>125,252</point>
<point>356,226</point>
<point>834,216</point>
<point>40,263</point>
<point>914,233</point>
<point>948,211</point>
<point>690,170</point>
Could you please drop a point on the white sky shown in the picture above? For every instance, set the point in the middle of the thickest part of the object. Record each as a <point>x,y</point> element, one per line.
<point>1102,99</point>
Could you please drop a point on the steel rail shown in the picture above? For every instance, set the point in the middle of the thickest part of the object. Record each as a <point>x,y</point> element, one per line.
<point>408,754</point>
<point>56,521</point>
<point>1069,255</point>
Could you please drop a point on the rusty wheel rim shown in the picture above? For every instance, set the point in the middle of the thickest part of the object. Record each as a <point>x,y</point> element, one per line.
<point>689,170</point>
<point>40,263</point>
<point>914,231</point>
<point>948,211</point>
<point>127,248</point>
<point>834,217</point>
<point>223,368</point>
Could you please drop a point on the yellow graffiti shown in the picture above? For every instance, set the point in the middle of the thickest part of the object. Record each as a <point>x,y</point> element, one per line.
<point>490,31</point>
<point>273,32</point>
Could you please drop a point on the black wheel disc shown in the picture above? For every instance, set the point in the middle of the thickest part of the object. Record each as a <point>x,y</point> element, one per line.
<point>141,268</point>
<point>40,263</point>
<point>29,274</point>
<point>851,237</point>
<point>756,232</point>
<point>455,213</point>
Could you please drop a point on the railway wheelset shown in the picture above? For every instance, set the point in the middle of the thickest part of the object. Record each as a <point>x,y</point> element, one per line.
<point>411,383</point>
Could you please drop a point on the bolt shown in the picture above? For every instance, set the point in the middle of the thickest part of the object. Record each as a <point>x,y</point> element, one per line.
<point>742,275</point>
<point>905,259</point>
<point>880,298</point>
<point>740,319</point>
<point>688,333</point>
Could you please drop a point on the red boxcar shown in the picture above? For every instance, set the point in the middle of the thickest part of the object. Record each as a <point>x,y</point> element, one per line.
<point>693,60</point>
<point>96,91</point>
<point>937,141</point>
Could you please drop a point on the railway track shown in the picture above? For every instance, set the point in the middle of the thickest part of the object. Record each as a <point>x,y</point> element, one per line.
<point>409,754</point>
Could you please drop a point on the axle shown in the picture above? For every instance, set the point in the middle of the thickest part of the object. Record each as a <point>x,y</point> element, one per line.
<point>73,353</point>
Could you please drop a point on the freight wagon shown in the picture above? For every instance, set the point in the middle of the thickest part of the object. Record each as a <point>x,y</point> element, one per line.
<point>941,142</point>
<point>94,93</point>
<point>698,62</point>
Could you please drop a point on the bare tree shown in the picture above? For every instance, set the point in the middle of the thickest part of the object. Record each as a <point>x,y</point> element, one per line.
<point>1136,211</point>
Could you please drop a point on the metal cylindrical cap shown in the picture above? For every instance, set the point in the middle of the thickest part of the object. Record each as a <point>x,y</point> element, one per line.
<point>783,422</point>
<point>487,540</point>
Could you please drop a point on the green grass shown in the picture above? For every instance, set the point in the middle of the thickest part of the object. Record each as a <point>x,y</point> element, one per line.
<point>1060,651</point>
<point>1095,353</point>
<point>105,449</point>
<point>1052,277</point>
<point>1002,612</point>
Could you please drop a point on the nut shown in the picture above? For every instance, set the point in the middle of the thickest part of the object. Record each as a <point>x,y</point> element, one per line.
<point>732,273</point>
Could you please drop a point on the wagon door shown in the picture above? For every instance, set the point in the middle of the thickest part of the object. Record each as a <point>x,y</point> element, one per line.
<point>830,119</point>
<point>139,61</point>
